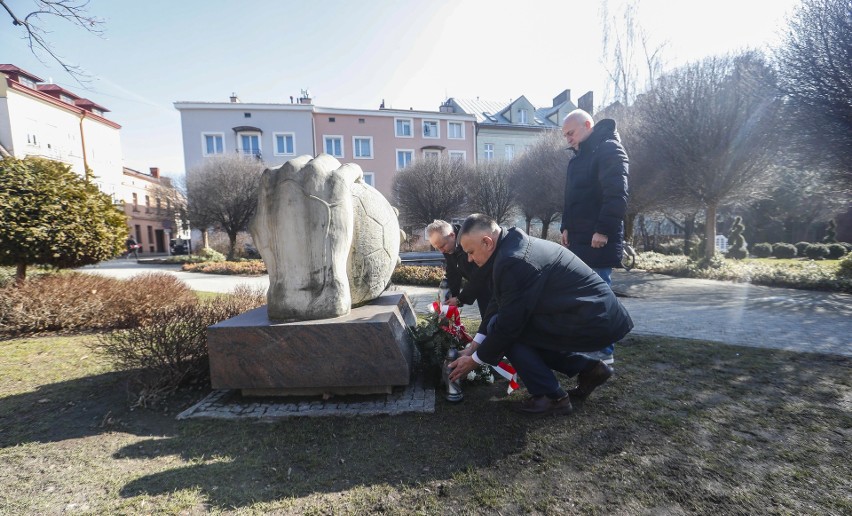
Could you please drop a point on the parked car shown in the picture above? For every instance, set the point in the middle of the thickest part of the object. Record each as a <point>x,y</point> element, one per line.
<point>178,247</point>
<point>251,251</point>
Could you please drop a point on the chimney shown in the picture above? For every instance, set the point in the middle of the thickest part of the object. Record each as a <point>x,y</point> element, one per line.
<point>447,107</point>
<point>234,98</point>
<point>587,103</point>
<point>155,172</point>
<point>565,96</point>
<point>306,97</point>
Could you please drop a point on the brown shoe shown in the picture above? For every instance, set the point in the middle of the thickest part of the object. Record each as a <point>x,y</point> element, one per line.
<point>589,380</point>
<point>542,405</point>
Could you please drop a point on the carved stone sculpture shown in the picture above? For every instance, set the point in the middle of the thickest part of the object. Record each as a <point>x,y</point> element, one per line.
<point>329,240</point>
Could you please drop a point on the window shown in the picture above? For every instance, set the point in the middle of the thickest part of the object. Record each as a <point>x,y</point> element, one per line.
<point>430,129</point>
<point>431,154</point>
<point>250,144</point>
<point>138,231</point>
<point>333,145</point>
<point>403,128</point>
<point>331,119</point>
<point>148,204</point>
<point>136,204</point>
<point>362,147</point>
<point>246,115</point>
<point>66,99</point>
<point>284,144</point>
<point>458,154</point>
<point>522,116</point>
<point>26,81</point>
<point>488,151</point>
<point>509,152</point>
<point>455,130</point>
<point>403,158</point>
<point>212,143</point>
<point>362,121</point>
<point>370,179</point>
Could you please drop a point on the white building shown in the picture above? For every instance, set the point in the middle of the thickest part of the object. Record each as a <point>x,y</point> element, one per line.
<point>48,121</point>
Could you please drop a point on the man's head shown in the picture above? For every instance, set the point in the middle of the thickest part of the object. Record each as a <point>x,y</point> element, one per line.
<point>441,236</point>
<point>577,127</point>
<point>478,237</point>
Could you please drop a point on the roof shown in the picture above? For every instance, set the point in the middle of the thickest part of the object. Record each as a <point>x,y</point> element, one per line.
<point>488,112</point>
<point>14,70</point>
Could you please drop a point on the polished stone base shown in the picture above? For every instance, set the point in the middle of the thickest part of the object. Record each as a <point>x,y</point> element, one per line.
<point>368,351</point>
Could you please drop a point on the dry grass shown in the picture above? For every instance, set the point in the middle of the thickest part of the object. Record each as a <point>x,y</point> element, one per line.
<point>684,427</point>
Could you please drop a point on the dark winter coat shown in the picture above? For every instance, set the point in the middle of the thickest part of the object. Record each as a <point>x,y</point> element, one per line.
<point>546,297</point>
<point>596,197</point>
<point>458,267</point>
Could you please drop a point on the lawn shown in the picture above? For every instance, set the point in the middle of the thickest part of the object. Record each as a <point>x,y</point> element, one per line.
<point>684,427</point>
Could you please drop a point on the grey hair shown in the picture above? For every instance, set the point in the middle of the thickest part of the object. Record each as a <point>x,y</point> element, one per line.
<point>579,113</point>
<point>479,222</point>
<point>439,226</point>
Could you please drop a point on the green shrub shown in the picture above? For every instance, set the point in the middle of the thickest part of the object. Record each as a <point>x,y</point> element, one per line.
<point>211,255</point>
<point>816,251</point>
<point>784,250</point>
<point>762,250</point>
<point>845,268</point>
<point>170,350</point>
<point>847,245</point>
<point>836,251</point>
<point>429,276</point>
<point>671,248</point>
<point>76,301</point>
<point>800,248</point>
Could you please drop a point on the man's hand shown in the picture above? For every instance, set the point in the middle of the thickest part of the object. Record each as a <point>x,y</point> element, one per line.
<point>565,237</point>
<point>599,240</point>
<point>469,350</point>
<point>453,301</point>
<point>461,366</point>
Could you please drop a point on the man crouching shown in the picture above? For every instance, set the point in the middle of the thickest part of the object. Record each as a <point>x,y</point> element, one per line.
<point>547,307</point>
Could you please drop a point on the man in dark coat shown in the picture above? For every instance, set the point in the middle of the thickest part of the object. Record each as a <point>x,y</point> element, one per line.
<point>548,307</point>
<point>595,196</point>
<point>442,236</point>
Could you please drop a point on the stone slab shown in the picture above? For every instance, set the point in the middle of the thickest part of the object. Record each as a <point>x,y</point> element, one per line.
<point>229,404</point>
<point>368,349</point>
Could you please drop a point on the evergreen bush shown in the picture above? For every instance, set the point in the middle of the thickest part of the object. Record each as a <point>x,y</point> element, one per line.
<point>762,250</point>
<point>211,255</point>
<point>736,242</point>
<point>784,250</point>
<point>836,251</point>
<point>816,251</point>
<point>830,233</point>
<point>845,268</point>
<point>800,248</point>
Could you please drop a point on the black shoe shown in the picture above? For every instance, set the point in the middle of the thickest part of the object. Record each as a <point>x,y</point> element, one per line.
<point>542,405</point>
<point>590,379</point>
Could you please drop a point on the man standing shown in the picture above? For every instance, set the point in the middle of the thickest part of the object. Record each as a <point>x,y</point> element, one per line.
<point>595,197</point>
<point>442,236</point>
<point>547,307</point>
<point>132,247</point>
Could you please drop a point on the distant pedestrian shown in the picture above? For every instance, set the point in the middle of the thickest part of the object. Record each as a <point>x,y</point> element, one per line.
<point>132,247</point>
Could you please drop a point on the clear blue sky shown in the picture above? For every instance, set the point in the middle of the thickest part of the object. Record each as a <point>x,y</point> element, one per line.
<point>411,53</point>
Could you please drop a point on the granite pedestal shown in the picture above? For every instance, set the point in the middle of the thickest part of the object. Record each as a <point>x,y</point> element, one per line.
<point>368,351</point>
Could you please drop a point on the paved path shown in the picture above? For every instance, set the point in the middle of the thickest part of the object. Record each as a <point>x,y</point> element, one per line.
<point>733,313</point>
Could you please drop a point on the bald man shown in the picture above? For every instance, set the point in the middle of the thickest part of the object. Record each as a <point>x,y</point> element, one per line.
<point>595,197</point>
<point>547,306</point>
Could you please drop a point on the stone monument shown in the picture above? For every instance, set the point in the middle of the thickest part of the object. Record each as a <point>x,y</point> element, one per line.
<point>330,243</point>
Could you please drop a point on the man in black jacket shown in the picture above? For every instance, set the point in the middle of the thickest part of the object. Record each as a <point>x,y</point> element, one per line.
<point>442,236</point>
<point>548,307</point>
<point>595,196</point>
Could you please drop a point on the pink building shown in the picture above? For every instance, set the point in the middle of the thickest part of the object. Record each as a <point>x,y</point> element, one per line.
<point>384,141</point>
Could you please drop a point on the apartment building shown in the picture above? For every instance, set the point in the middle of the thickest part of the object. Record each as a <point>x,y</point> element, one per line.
<point>381,141</point>
<point>385,141</point>
<point>149,203</point>
<point>505,130</point>
<point>274,133</point>
<point>46,120</point>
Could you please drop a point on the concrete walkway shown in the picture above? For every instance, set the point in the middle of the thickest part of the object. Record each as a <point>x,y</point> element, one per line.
<point>732,313</point>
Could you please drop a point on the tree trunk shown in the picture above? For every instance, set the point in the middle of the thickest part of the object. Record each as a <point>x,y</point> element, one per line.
<point>710,231</point>
<point>232,248</point>
<point>20,273</point>
<point>205,239</point>
<point>629,224</point>
<point>544,227</point>
<point>688,231</point>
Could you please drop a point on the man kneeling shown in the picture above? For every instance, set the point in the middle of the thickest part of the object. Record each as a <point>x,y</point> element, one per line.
<point>547,306</point>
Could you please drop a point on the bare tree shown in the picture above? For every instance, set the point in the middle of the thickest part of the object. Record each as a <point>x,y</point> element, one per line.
<point>429,189</point>
<point>713,125</point>
<point>34,32</point>
<point>538,179</point>
<point>815,70</point>
<point>489,190</point>
<point>630,58</point>
<point>222,192</point>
